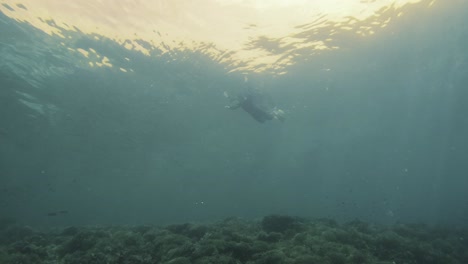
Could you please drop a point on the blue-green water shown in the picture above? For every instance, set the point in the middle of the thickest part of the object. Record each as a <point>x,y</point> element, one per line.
<point>376,130</point>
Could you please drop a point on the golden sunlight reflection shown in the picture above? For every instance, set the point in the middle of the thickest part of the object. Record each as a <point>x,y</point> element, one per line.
<point>244,35</point>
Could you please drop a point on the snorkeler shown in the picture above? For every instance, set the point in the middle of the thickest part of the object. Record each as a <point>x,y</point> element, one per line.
<point>257,104</point>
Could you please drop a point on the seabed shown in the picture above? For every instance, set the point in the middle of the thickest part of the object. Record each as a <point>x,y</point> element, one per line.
<point>273,240</point>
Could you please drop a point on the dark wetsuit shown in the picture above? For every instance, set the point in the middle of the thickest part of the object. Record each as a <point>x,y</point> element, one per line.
<point>258,105</point>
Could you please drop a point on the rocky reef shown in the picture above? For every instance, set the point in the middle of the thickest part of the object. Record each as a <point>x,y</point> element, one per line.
<point>273,240</point>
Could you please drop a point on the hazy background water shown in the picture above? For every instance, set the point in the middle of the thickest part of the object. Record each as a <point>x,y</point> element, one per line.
<point>376,130</point>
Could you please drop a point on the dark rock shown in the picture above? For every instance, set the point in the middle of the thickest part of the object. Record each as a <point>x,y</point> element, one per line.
<point>80,242</point>
<point>181,229</point>
<point>279,223</point>
<point>241,251</point>
<point>70,231</point>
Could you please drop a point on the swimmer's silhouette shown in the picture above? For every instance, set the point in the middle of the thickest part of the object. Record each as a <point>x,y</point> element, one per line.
<point>257,104</point>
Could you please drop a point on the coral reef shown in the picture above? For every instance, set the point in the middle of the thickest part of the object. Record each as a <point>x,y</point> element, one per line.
<point>274,240</point>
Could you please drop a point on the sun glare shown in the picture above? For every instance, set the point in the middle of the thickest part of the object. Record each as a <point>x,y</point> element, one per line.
<point>256,32</point>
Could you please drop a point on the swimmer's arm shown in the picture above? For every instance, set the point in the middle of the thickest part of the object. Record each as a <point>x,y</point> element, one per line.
<point>234,105</point>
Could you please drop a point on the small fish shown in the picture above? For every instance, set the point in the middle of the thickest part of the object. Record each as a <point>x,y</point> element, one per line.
<point>57,213</point>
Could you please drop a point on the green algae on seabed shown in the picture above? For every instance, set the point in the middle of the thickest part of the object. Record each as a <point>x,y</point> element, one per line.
<point>274,240</point>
